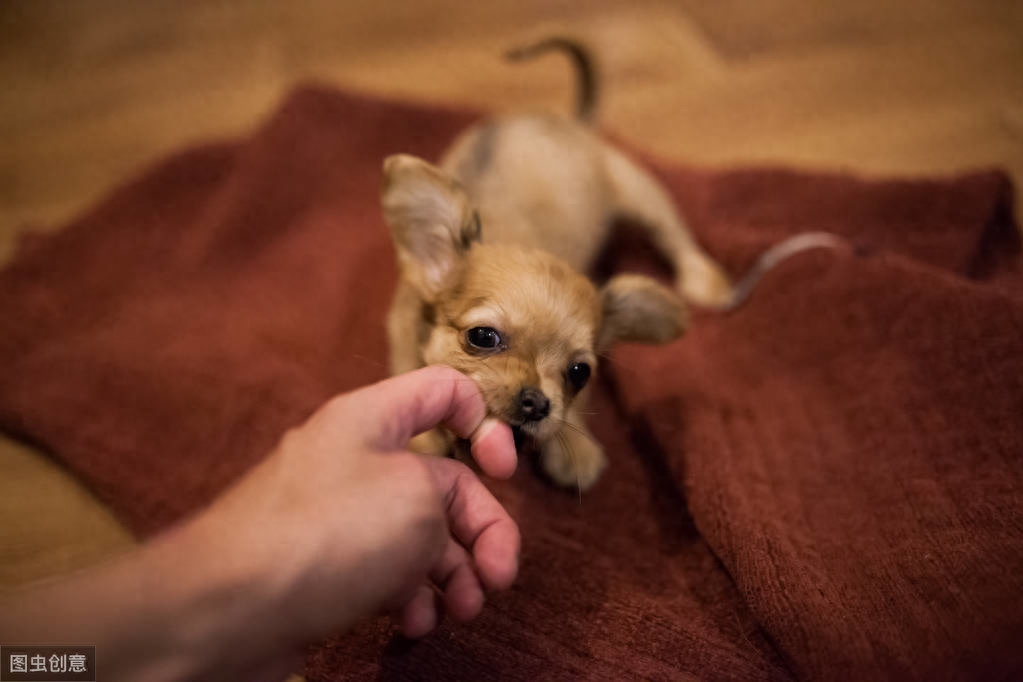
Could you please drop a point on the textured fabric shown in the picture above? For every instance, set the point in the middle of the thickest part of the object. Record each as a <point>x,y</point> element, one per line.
<point>825,484</point>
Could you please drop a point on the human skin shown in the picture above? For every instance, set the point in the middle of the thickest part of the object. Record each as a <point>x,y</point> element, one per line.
<point>338,523</point>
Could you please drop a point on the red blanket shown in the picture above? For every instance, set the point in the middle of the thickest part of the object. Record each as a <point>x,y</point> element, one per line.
<point>826,484</point>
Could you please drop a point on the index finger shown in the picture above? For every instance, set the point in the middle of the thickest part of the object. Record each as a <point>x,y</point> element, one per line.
<point>478,522</point>
<point>396,409</point>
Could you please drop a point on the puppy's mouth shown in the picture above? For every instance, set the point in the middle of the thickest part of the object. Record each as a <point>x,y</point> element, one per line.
<point>519,436</point>
<point>525,435</point>
<point>529,434</point>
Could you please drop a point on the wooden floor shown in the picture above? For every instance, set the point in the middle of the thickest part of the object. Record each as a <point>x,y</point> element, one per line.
<point>92,90</point>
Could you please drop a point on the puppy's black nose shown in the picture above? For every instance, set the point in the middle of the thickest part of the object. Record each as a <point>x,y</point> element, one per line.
<point>533,404</point>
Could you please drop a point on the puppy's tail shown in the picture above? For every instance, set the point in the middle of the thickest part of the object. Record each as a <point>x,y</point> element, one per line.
<point>585,71</point>
<point>768,260</point>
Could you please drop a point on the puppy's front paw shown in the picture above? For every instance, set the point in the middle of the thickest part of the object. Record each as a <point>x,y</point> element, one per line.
<point>432,442</point>
<point>573,460</point>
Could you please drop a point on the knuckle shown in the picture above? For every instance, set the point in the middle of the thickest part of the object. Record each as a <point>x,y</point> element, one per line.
<point>415,484</point>
<point>292,442</point>
<point>335,408</point>
<point>462,475</point>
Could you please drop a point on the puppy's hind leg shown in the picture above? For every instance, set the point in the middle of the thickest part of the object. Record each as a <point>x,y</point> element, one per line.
<point>435,442</point>
<point>638,196</point>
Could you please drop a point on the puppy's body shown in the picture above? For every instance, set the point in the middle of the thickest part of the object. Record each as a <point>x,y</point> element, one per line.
<point>549,182</point>
<point>492,246</point>
<point>521,322</point>
<point>537,181</point>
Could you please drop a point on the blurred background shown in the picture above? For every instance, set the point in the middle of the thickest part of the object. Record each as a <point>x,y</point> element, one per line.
<point>93,90</point>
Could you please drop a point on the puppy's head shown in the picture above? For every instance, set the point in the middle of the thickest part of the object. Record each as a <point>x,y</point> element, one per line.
<point>524,325</point>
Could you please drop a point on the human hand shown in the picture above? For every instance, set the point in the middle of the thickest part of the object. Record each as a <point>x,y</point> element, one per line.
<point>349,523</point>
<point>338,523</point>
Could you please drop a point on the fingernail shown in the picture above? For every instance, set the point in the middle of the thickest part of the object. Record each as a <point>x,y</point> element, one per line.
<point>485,427</point>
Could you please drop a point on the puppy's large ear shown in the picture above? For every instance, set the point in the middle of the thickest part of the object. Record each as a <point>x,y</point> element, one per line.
<point>636,308</point>
<point>431,221</point>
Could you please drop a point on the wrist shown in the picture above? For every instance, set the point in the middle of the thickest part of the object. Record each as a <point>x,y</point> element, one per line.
<point>153,613</point>
<point>217,610</point>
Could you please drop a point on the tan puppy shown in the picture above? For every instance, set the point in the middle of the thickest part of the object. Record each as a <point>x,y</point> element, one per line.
<point>491,247</point>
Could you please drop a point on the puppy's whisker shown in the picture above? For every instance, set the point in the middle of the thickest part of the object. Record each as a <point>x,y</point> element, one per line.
<point>566,445</point>
<point>616,362</point>
<point>501,309</point>
<point>580,431</point>
<point>486,365</point>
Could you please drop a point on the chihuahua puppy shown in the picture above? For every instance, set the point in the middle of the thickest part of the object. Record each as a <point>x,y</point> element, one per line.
<point>493,245</point>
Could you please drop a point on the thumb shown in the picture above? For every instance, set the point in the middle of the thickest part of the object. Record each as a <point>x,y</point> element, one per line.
<point>393,411</point>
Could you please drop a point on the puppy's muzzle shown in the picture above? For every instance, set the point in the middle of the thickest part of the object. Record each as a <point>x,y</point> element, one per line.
<point>533,405</point>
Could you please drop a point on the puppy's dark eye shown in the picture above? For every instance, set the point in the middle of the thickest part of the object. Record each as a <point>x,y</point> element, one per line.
<point>483,337</point>
<point>578,375</point>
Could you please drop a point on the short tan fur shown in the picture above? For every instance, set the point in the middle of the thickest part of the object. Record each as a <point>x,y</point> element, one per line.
<point>493,245</point>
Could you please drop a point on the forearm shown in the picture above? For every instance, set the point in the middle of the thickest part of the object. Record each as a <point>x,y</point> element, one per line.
<point>161,612</point>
